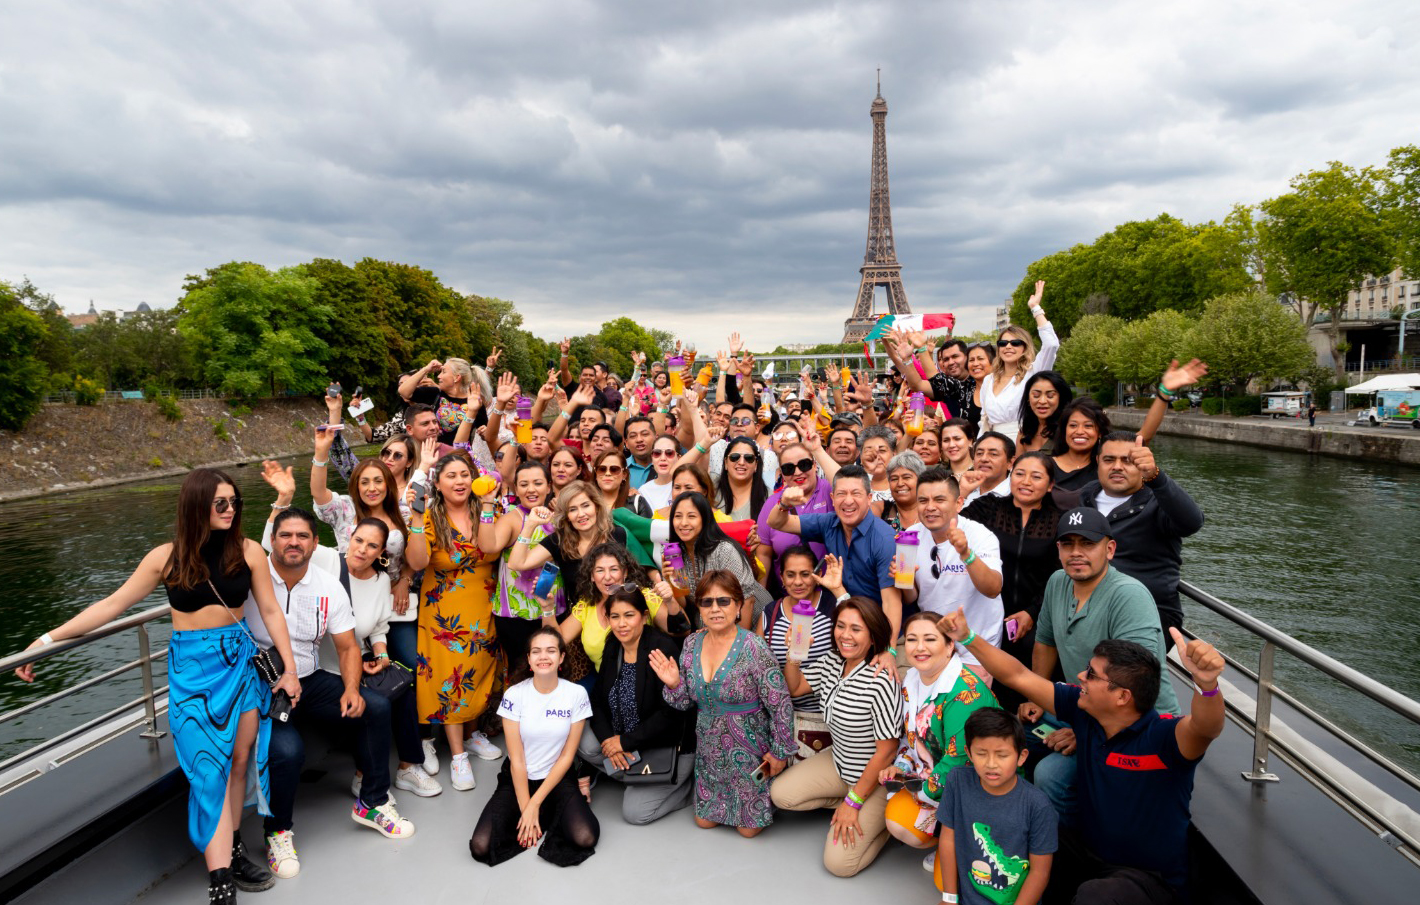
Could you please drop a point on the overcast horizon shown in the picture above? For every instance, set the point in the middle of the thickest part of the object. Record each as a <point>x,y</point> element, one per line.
<point>588,160</point>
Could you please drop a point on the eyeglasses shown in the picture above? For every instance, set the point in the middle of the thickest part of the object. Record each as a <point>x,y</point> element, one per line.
<point>741,457</point>
<point>658,453</point>
<point>1092,676</point>
<point>723,603</point>
<point>741,422</point>
<point>395,454</point>
<point>222,504</point>
<point>1018,343</point>
<point>790,468</point>
<point>609,469</point>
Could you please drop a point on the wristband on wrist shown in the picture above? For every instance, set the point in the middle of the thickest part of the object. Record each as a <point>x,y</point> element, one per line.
<point>700,448</point>
<point>565,415</point>
<point>317,463</point>
<point>382,656</point>
<point>1167,394</point>
<point>854,797</point>
<point>970,637</point>
<point>1207,694</point>
<point>892,650</point>
<point>419,530</point>
<point>46,639</point>
<point>279,506</point>
<point>360,420</point>
<point>842,597</point>
<point>464,447</point>
<point>970,557</point>
<point>485,517</point>
<point>950,898</point>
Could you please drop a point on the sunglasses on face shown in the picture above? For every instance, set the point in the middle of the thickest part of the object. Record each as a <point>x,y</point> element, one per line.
<point>609,469</point>
<point>498,456</point>
<point>723,603</point>
<point>1092,676</point>
<point>741,422</point>
<point>1018,343</point>
<point>790,468</point>
<point>741,457</point>
<point>659,453</point>
<point>223,503</point>
<point>392,454</point>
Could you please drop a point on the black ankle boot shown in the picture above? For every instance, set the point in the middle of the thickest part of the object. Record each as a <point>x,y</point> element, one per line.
<point>249,875</point>
<point>220,888</point>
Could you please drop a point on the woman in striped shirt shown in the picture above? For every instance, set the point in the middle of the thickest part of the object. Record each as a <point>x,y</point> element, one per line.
<point>863,707</point>
<point>796,570</point>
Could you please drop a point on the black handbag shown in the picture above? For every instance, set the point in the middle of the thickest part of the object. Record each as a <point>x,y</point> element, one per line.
<point>268,665</point>
<point>657,765</point>
<point>391,682</point>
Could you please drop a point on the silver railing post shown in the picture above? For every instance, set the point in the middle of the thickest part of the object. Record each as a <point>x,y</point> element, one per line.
<point>150,709</point>
<point>1262,723</point>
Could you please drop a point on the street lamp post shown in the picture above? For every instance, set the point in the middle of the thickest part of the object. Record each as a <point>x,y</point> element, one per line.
<point>1401,353</point>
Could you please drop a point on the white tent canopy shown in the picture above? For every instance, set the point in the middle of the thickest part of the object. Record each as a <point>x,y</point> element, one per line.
<point>1387,382</point>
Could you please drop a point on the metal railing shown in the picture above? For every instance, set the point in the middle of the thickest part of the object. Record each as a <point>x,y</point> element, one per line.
<point>148,701</point>
<point>137,395</point>
<point>1266,740</point>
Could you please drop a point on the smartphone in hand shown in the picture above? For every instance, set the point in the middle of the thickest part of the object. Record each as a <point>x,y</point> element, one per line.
<point>1013,628</point>
<point>545,580</point>
<point>417,504</point>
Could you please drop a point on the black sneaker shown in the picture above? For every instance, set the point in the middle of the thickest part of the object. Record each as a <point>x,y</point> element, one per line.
<point>246,873</point>
<point>220,888</point>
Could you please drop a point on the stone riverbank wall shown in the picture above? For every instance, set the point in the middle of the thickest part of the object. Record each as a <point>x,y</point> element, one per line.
<point>1394,444</point>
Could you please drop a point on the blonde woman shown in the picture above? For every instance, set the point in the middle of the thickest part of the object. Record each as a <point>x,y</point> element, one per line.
<point>454,381</point>
<point>1016,359</point>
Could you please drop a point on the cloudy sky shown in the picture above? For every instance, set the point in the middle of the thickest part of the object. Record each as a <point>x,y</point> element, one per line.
<point>699,167</point>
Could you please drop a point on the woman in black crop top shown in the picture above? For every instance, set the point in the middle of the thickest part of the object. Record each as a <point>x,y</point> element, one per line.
<point>209,570</point>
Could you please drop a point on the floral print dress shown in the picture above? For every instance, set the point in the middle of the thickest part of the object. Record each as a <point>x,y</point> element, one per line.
<point>458,663</point>
<point>744,712</point>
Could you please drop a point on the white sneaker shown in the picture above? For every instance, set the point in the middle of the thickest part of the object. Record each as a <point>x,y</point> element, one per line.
<point>431,758</point>
<point>461,774</point>
<point>281,854</point>
<point>929,862</point>
<point>383,818</point>
<point>356,782</point>
<point>480,745</point>
<point>414,779</point>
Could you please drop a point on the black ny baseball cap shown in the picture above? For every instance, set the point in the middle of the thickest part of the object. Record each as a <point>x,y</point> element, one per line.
<point>1086,521</point>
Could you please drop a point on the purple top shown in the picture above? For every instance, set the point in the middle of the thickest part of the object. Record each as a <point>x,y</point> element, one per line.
<point>821,500</point>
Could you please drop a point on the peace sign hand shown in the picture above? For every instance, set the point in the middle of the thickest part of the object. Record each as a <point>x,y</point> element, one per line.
<point>1200,658</point>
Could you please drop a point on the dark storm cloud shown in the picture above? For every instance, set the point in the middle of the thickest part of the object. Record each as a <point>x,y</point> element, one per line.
<point>700,167</point>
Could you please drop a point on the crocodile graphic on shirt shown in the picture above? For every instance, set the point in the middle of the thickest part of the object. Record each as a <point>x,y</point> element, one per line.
<point>995,874</point>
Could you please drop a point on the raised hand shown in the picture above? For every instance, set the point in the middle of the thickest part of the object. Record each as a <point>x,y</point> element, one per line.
<point>1143,459</point>
<point>1200,658</point>
<point>637,358</point>
<point>582,397</point>
<point>956,537</point>
<point>832,576</point>
<point>282,480</point>
<point>428,454</point>
<point>507,389</point>
<point>1038,294</point>
<point>492,361</point>
<point>561,396</point>
<point>954,626</point>
<point>433,364</point>
<point>793,496</point>
<point>747,365</point>
<point>325,438</point>
<point>736,345</point>
<point>918,338</point>
<point>1176,378</point>
<point>539,515</point>
<point>809,434</point>
<point>969,482</point>
<point>565,346</point>
<point>665,668</point>
<point>722,359</point>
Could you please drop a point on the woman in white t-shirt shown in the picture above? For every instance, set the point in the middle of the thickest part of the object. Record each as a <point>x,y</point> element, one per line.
<point>1016,359</point>
<point>537,799</point>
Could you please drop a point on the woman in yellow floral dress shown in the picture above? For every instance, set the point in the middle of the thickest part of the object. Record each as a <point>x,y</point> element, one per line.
<point>458,664</point>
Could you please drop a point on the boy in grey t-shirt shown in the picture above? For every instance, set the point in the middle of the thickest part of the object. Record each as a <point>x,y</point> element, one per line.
<point>998,831</point>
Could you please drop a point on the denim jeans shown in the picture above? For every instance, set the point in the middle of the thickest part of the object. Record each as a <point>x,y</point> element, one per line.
<point>320,706</point>
<point>1055,773</point>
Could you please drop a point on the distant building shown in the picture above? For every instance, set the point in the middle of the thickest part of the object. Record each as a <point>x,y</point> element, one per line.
<point>141,309</point>
<point>1376,296</point>
<point>1003,316</point>
<point>84,320</point>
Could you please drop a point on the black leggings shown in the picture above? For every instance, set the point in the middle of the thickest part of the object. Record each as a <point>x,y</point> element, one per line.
<point>570,829</point>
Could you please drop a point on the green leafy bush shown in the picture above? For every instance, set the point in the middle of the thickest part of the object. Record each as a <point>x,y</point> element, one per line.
<point>1241,406</point>
<point>219,429</point>
<point>87,392</point>
<point>1104,397</point>
<point>1213,405</point>
<point>168,407</point>
<point>1181,405</point>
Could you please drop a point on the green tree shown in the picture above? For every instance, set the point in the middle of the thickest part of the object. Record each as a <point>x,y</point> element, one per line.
<point>420,318</point>
<point>56,350</point>
<point>1143,349</point>
<point>1246,336</point>
<point>22,374</point>
<point>1320,240</point>
<point>1402,205</point>
<point>624,336</point>
<point>358,355</point>
<point>1084,355</point>
<point>254,331</point>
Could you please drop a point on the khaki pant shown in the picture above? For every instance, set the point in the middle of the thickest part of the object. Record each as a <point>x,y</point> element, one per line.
<point>813,784</point>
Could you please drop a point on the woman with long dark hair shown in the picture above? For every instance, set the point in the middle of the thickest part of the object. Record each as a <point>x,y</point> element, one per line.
<point>740,490</point>
<point>1083,424</point>
<point>1046,395</point>
<point>705,548</point>
<point>536,800</point>
<point>607,568</point>
<point>217,704</point>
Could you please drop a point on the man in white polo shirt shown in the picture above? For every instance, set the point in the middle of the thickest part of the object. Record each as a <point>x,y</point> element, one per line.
<point>958,560</point>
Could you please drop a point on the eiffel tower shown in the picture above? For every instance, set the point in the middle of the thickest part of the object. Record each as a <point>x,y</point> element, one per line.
<point>880,267</point>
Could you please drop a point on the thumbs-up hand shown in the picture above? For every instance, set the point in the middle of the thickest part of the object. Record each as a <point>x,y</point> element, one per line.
<point>956,537</point>
<point>1143,459</point>
<point>954,626</point>
<point>1200,658</point>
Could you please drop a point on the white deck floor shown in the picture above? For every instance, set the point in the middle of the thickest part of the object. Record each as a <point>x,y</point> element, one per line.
<point>669,861</point>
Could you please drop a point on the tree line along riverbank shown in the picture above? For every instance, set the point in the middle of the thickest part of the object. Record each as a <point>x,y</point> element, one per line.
<point>1394,445</point>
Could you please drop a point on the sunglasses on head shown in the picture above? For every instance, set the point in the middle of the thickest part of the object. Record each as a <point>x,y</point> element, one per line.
<point>223,503</point>
<point>723,603</point>
<point>628,587</point>
<point>803,465</point>
<point>609,469</point>
<point>741,457</point>
<point>1018,343</point>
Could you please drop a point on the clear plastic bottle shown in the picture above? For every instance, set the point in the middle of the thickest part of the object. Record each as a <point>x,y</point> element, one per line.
<point>916,412</point>
<point>801,623</point>
<point>673,368</point>
<point>906,558</point>
<point>522,433</point>
<point>675,569</point>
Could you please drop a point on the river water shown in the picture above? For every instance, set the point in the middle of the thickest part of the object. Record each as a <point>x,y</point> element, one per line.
<point>1318,547</point>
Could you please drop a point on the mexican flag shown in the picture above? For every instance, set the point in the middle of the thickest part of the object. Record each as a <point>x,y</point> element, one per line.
<point>927,323</point>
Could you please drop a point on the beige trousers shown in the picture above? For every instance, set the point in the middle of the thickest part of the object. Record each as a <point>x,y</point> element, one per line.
<point>814,783</point>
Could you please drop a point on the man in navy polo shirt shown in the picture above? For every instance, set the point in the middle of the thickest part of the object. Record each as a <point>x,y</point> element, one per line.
<point>1136,765</point>
<point>865,543</point>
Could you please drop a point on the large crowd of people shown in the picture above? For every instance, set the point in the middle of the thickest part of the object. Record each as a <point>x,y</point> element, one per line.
<point>934,602</point>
